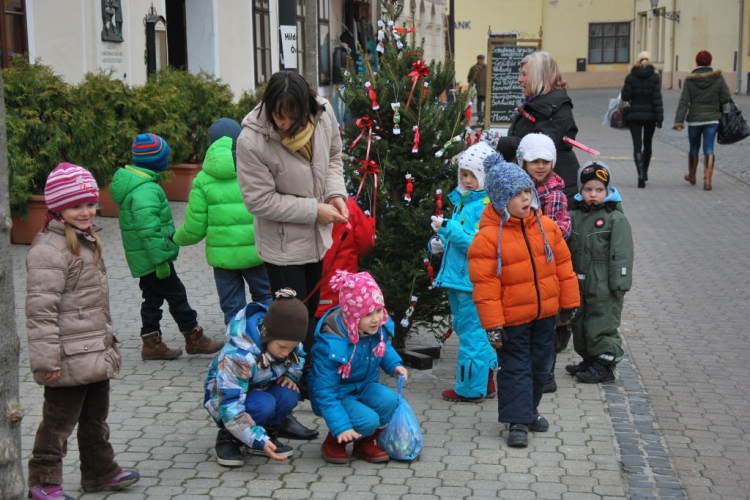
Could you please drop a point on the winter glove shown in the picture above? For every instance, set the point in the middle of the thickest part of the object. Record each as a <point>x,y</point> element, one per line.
<point>497,336</point>
<point>436,223</point>
<point>163,271</point>
<point>567,315</point>
<point>658,124</point>
<point>436,245</point>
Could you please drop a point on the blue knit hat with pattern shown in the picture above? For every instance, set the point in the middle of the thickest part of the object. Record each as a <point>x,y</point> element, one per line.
<point>502,181</point>
<point>151,151</point>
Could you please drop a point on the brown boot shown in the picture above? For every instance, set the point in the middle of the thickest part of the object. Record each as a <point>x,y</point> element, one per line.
<point>197,343</point>
<point>692,168</point>
<point>154,348</point>
<point>333,451</point>
<point>369,449</point>
<point>708,171</point>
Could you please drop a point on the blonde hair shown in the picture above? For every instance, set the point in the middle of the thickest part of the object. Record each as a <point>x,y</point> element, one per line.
<point>75,247</point>
<point>542,73</point>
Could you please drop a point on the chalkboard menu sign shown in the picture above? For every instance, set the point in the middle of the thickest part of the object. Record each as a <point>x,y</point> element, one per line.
<point>505,68</point>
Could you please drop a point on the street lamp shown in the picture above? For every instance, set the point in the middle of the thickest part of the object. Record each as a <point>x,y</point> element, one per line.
<point>156,38</point>
<point>672,16</point>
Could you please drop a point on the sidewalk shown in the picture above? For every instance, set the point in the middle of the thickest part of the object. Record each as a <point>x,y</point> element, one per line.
<point>674,425</point>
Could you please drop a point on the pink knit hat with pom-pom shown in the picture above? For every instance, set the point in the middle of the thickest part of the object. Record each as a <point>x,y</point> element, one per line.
<point>359,295</point>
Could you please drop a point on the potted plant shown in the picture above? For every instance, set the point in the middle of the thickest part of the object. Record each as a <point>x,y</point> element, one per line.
<point>38,109</point>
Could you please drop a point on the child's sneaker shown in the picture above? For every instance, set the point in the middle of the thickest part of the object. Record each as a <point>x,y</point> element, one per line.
<point>450,395</point>
<point>228,450</point>
<point>120,481</point>
<point>48,492</point>
<point>595,374</point>
<point>281,449</point>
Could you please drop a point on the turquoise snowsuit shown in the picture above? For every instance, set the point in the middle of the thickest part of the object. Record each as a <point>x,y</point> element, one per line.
<point>601,247</point>
<point>476,357</point>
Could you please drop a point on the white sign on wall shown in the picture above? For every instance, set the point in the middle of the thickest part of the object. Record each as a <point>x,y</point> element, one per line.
<point>288,46</point>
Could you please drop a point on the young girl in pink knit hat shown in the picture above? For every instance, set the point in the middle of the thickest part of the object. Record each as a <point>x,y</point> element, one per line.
<point>72,349</point>
<point>352,345</point>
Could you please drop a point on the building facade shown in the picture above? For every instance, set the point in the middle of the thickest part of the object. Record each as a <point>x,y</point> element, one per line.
<point>243,42</point>
<point>595,41</point>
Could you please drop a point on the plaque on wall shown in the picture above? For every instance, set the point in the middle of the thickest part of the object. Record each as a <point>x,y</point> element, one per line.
<point>112,21</point>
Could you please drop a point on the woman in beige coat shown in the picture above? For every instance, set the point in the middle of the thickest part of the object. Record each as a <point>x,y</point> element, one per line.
<point>72,350</point>
<point>290,172</point>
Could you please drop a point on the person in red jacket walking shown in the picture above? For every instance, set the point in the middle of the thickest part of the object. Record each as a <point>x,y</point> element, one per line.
<point>351,242</point>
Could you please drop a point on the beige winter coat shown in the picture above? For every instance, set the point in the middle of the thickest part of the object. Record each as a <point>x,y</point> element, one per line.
<point>67,312</point>
<point>282,189</point>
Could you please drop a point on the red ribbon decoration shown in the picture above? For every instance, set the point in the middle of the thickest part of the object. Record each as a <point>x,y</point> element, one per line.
<point>409,188</point>
<point>439,203</point>
<point>526,115</point>
<point>415,147</point>
<point>401,31</point>
<point>468,113</point>
<point>420,71</point>
<point>369,167</point>
<point>365,124</point>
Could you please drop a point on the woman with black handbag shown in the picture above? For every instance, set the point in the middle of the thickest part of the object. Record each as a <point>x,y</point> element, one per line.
<point>643,90</point>
<point>704,94</point>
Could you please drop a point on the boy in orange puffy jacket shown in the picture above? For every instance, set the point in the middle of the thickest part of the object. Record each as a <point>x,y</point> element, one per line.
<point>520,266</point>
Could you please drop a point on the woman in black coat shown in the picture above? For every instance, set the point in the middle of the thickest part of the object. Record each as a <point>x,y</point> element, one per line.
<point>546,109</point>
<point>643,90</point>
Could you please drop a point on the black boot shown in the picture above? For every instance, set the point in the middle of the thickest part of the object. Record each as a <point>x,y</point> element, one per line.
<point>646,163</point>
<point>639,166</point>
<point>291,428</point>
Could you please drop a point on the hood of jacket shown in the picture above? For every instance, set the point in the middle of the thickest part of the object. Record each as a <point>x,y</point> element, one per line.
<point>704,76</point>
<point>644,72</point>
<point>129,178</point>
<point>613,201</point>
<point>546,104</point>
<point>219,161</point>
<point>244,330</point>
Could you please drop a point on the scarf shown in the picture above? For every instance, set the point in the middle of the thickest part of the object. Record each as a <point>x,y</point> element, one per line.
<point>301,141</point>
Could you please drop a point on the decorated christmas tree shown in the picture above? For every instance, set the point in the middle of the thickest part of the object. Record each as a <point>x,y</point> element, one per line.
<point>398,144</point>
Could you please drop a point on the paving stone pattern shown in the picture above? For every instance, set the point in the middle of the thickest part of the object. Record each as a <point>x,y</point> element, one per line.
<point>674,425</point>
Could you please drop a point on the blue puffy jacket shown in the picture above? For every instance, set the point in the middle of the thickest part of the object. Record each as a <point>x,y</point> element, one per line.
<point>457,235</point>
<point>333,349</point>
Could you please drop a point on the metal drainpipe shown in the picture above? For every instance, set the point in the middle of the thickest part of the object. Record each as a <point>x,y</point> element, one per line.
<point>739,50</point>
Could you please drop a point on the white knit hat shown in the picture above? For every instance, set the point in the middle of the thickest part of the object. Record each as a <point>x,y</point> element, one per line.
<point>472,159</point>
<point>536,147</point>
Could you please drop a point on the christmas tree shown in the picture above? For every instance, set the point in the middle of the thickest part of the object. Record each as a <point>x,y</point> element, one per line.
<point>399,141</point>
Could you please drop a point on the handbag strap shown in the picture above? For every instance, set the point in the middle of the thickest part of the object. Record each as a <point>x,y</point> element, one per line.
<point>400,386</point>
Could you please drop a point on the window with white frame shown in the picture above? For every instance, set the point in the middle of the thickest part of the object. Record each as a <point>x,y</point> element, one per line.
<point>609,43</point>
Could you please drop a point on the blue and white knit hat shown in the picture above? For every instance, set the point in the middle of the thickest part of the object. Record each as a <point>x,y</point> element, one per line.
<point>502,181</point>
<point>472,159</point>
<point>151,151</point>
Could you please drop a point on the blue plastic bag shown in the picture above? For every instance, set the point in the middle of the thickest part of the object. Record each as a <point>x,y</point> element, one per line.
<point>402,438</point>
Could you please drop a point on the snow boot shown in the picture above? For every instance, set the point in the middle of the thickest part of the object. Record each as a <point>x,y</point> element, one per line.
<point>369,449</point>
<point>197,343</point>
<point>154,348</point>
<point>333,451</point>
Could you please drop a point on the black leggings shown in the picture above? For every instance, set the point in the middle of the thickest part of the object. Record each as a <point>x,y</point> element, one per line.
<point>645,128</point>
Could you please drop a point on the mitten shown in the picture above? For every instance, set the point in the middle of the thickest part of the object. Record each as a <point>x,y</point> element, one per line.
<point>566,315</point>
<point>163,271</point>
<point>436,222</point>
<point>436,245</point>
<point>497,336</point>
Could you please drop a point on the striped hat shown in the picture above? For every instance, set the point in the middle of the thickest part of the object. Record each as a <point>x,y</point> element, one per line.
<point>151,151</point>
<point>69,185</point>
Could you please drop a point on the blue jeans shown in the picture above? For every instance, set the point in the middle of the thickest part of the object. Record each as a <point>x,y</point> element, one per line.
<point>230,283</point>
<point>525,362</point>
<point>270,406</point>
<point>708,132</point>
<point>371,408</point>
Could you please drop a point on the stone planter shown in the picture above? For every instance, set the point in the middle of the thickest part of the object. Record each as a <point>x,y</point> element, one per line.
<point>24,230</point>
<point>180,181</point>
<point>107,206</point>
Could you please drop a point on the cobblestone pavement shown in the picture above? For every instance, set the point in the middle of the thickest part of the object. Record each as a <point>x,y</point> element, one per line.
<point>674,425</point>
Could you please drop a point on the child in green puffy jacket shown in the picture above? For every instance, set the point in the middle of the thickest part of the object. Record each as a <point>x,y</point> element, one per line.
<point>217,212</point>
<point>146,226</point>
